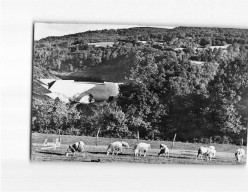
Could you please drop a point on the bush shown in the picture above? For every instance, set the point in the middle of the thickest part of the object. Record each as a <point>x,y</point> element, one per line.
<point>217,139</point>
<point>204,140</point>
<point>226,140</point>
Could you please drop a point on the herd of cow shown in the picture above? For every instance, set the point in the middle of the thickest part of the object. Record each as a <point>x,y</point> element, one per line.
<point>116,148</point>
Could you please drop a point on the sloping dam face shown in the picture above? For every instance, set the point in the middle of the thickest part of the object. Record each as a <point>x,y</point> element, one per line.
<point>79,90</point>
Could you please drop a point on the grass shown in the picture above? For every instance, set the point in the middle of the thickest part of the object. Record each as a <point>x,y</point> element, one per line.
<point>182,153</point>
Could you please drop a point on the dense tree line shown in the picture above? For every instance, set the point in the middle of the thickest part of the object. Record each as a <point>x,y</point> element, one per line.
<point>191,100</point>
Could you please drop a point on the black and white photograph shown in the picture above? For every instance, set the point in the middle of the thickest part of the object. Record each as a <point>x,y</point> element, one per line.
<point>109,93</point>
<point>136,96</point>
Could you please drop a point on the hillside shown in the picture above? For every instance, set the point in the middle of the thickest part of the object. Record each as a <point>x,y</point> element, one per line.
<point>101,72</point>
<point>187,81</point>
<point>39,91</point>
<point>71,57</point>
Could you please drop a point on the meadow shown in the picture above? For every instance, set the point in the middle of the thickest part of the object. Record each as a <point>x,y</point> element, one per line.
<point>182,153</point>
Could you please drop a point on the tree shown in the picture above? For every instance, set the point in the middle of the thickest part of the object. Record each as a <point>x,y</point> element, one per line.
<point>72,117</point>
<point>225,94</point>
<point>205,41</point>
<point>161,90</point>
<point>109,120</point>
<point>54,115</point>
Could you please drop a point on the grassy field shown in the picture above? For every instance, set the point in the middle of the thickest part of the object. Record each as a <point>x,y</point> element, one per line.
<point>182,153</point>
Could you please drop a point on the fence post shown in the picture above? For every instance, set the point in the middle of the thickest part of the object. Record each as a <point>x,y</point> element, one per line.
<point>59,136</point>
<point>97,136</point>
<point>173,141</point>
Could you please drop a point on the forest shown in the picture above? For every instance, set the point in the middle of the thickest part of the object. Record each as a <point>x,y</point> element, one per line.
<point>188,81</point>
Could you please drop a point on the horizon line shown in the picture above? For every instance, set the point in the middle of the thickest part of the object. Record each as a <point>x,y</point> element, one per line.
<point>47,29</point>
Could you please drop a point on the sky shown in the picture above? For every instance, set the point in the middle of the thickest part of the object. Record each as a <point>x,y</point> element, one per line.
<point>42,30</point>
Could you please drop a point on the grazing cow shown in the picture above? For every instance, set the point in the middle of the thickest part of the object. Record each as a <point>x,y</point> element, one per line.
<point>116,146</point>
<point>76,147</point>
<point>239,154</point>
<point>213,151</point>
<point>164,150</point>
<point>209,152</point>
<point>141,147</point>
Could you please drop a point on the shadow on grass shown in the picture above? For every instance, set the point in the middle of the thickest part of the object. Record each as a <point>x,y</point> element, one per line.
<point>104,153</point>
<point>51,153</point>
<point>190,151</point>
<point>181,157</point>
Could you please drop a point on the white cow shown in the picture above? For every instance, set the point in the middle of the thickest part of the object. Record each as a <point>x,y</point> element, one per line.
<point>209,152</point>
<point>239,154</point>
<point>116,146</point>
<point>141,147</point>
<point>76,147</point>
<point>213,151</point>
<point>164,150</point>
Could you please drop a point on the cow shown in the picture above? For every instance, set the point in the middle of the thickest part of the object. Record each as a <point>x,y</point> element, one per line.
<point>239,154</point>
<point>164,150</point>
<point>76,147</point>
<point>141,147</point>
<point>209,152</point>
<point>213,151</point>
<point>116,146</point>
